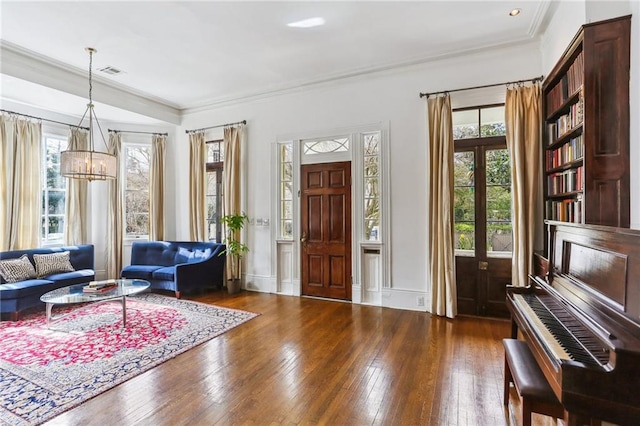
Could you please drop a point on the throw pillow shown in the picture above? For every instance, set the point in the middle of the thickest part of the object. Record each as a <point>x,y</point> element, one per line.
<point>47,264</point>
<point>14,270</point>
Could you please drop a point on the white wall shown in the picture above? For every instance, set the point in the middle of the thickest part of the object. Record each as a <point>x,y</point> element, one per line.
<point>390,97</point>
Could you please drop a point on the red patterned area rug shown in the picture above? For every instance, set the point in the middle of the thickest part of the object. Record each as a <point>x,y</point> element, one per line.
<point>45,372</point>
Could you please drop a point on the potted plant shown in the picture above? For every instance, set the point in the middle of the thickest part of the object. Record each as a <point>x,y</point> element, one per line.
<point>235,249</point>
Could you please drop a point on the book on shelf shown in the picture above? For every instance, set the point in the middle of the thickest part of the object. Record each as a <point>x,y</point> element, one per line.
<point>574,74</point>
<point>571,180</point>
<point>567,153</point>
<point>569,210</point>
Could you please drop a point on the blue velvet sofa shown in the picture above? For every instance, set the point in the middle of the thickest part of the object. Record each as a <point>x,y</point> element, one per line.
<point>18,296</point>
<point>177,265</point>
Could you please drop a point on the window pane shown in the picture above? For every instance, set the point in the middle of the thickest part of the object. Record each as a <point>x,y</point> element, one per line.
<point>286,152</point>
<point>498,167</point>
<point>326,146</point>
<point>56,228</point>
<point>287,172</point>
<point>498,203</point>
<point>286,190</point>
<point>287,209</point>
<point>499,230</point>
<point>56,202</point>
<point>492,121</point>
<point>499,237</point>
<point>464,200</point>
<point>371,142</point>
<point>466,124</point>
<point>137,201</point>
<point>53,191</point>
<point>371,174</point>
<point>136,197</point>
<point>137,223</point>
<point>215,152</point>
<point>287,228</point>
<point>371,166</point>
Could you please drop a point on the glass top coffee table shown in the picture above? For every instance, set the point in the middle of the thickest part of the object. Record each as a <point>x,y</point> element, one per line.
<point>75,294</point>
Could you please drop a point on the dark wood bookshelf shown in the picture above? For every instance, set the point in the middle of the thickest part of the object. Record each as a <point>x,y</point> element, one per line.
<point>586,101</point>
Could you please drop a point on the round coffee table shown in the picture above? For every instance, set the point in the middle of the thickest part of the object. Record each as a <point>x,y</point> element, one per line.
<point>75,294</point>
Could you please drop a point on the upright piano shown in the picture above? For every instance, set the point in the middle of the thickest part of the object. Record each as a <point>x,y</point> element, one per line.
<point>582,321</point>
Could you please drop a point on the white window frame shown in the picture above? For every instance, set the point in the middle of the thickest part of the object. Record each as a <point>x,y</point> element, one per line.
<point>46,241</point>
<point>123,187</point>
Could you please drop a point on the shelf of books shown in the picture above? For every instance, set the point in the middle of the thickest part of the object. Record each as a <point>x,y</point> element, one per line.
<point>586,127</point>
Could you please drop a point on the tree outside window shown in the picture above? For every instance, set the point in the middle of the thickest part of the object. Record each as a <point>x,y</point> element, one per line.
<point>54,191</point>
<point>137,190</point>
<point>215,168</point>
<point>480,132</point>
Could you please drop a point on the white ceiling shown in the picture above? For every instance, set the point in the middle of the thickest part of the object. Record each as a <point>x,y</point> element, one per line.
<point>186,54</point>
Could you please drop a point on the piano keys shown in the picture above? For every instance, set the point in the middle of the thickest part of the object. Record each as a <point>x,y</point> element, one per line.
<point>582,322</point>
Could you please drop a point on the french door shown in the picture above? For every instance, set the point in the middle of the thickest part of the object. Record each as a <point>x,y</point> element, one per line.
<point>483,233</point>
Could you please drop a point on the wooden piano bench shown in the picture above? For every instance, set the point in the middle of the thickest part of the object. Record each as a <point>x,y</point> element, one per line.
<point>521,369</point>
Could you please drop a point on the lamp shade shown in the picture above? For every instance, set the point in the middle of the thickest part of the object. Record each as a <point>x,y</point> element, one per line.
<point>89,165</point>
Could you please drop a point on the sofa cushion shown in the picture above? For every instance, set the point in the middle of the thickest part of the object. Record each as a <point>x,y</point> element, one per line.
<point>192,255</point>
<point>142,272</point>
<point>165,274</point>
<point>75,277</point>
<point>26,288</point>
<point>13,270</point>
<point>47,264</point>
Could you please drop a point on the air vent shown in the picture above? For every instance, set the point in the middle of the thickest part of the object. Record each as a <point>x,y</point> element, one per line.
<point>110,70</point>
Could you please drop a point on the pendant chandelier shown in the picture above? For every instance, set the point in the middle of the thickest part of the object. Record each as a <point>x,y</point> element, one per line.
<point>89,165</point>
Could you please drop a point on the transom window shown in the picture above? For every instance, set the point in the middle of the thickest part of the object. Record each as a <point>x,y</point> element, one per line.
<point>479,122</point>
<point>54,191</point>
<point>325,146</point>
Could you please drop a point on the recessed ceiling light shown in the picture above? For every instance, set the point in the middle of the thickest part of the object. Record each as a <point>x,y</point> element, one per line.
<point>307,23</point>
<point>515,12</point>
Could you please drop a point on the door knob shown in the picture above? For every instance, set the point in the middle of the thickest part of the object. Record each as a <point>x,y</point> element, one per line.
<point>303,239</point>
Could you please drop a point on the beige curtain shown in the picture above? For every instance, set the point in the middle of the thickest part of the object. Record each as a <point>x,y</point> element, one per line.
<point>442,265</point>
<point>76,211</point>
<point>231,203</point>
<point>522,119</point>
<point>20,189</point>
<point>197,187</point>
<point>115,214</point>
<point>156,188</point>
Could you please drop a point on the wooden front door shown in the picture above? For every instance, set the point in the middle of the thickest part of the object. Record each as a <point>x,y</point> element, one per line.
<point>325,234</point>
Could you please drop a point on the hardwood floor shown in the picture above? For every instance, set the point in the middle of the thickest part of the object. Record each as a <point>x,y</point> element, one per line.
<point>308,361</point>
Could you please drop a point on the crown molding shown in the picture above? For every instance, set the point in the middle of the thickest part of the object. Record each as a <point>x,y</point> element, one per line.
<point>541,16</point>
<point>340,78</point>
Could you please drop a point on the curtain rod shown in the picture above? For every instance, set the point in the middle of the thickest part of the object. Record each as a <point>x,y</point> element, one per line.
<point>533,80</point>
<point>141,133</point>
<point>213,127</point>
<point>44,119</point>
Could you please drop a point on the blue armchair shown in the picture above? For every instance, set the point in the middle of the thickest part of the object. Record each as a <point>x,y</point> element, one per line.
<point>177,265</point>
